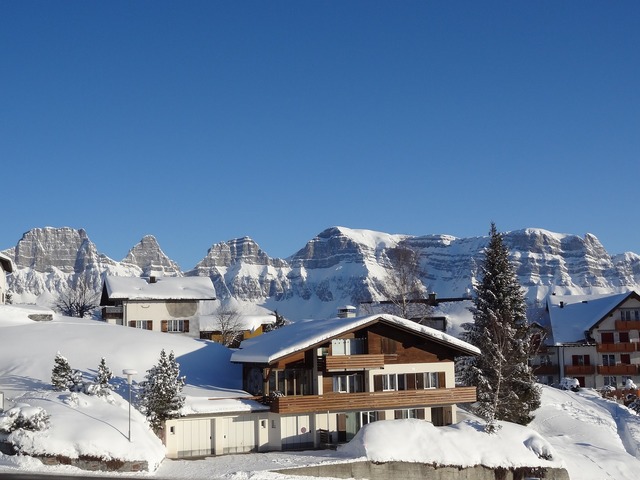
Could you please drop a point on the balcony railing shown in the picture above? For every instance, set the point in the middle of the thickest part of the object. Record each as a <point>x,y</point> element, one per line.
<point>620,369</point>
<point>545,369</point>
<point>340,402</point>
<point>579,369</point>
<point>627,325</point>
<point>114,313</point>
<point>617,347</point>
<point>353,362</point>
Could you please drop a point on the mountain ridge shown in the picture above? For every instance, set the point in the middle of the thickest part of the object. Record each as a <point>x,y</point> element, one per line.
<point>338,266</point>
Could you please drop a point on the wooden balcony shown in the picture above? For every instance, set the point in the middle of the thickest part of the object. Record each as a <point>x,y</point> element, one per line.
<point>545,369</point>
<point>619,369</point>
<point>572,370</point>
<point>335,363</point>
<point>341,402</point>
<point>112,313</point>
<point>626,325</point>
<point>617,347</point>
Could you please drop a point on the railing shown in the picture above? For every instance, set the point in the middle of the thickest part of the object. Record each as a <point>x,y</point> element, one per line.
<point>617,347</point>
<point>627,325</point>
<point>579,370</point>
<point>617,369</point>
<point>545,369</point>
<point>340,402</point>
<point>353,362</point>
<point>109,313</point>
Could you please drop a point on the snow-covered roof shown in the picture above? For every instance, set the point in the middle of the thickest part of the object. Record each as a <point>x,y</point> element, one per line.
<point>305,333</point>
<point>7,264</point>
<point>245,322</point>
<point>164,288</point>
<point>572,315</point>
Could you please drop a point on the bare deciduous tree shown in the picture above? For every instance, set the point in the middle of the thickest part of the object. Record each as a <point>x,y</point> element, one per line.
<point>79,300</point>
<point>229,321</point>
<point>404,285</point>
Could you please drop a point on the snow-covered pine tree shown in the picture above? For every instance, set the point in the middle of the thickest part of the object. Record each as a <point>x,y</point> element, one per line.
<point>102,379</point>
<point>506,386</point>
<point>160,397</point>
<point>61,375</point>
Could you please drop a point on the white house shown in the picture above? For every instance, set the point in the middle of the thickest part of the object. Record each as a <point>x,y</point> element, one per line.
<point>167,304</point>
<point>6,266</point>
<point>594,338</point>
<point>320,381</point>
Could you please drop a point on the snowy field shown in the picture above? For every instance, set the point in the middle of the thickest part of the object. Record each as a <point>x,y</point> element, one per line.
<point>594,439</point>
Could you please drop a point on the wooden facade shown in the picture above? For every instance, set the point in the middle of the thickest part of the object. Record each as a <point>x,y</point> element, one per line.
<point>347,372</point>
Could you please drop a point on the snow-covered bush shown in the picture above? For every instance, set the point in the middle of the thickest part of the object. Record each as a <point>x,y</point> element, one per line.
<point>24,417</point>
<point>569,383</point>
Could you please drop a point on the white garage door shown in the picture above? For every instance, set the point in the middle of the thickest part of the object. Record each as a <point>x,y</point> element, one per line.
<point>238,434</point>
<point>194,438</point>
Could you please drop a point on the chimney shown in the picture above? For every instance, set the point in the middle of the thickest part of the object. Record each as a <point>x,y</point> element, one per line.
<point>348,311</point>
<point>152,279</point>
<point>561,304</point>
<point>432,299</point>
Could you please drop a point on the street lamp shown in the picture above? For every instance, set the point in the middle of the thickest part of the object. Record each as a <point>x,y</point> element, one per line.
<point>129,372</point>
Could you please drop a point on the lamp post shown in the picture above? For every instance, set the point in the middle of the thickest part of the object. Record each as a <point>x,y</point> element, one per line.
<point>129,372</point>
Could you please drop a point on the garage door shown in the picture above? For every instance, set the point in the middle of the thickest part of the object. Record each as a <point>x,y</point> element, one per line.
<point>194,438</point>
<point>238,434</point>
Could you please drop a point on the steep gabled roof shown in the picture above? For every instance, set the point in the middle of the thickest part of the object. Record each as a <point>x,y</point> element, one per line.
<point>7,264</point>
<point>164,288</point>
<point>305,334</point>
<point>572,315</point>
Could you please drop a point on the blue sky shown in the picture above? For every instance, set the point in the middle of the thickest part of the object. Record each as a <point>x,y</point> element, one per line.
<point>199,122</point>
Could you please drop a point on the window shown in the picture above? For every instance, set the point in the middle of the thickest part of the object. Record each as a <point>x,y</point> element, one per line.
<point>368,417</point>
<point>628,314</point>
<point>610,381</point>
<point>143,324</point>
<point>623,337</point>
<point>389,382</point>
<point>625,358</point>
<point>608,360</point>
<point>580,360</point>
<point>409,413</point>
<point>347,346</point>
<point>294,381</point>
<point>607,337</point>
<point>429,379</point>
<point>348,383</point>
<point>175,326</point>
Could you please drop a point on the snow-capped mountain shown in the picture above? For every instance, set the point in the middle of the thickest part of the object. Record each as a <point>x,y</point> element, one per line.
<point>339,266</point>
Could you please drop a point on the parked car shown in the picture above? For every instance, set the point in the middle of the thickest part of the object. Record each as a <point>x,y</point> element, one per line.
<point>569,383</point>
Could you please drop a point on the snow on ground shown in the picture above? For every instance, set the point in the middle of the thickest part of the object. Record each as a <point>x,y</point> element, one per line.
<point>593,438</point>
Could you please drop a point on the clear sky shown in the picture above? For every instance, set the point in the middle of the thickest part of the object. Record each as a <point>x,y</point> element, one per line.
<point>203,121</point>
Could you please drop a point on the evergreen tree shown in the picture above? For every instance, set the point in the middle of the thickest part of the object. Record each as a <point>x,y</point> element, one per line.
<point>61,375</point>
<point>103,377</point>
<point>506,386</point>
<point>160,397</point>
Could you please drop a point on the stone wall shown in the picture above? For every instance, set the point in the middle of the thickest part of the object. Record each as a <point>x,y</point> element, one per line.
<point>420,471</point>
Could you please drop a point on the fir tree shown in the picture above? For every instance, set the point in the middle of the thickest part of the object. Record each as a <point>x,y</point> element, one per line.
<point>160,397</point>
<point>61,375</point>
<point>102,379</point>
<point>506,386</point>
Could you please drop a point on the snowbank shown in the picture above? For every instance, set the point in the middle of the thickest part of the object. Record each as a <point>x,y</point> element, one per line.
<point>464,444</point>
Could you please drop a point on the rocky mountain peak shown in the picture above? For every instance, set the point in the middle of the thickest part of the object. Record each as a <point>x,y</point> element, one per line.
<point>148,255</point>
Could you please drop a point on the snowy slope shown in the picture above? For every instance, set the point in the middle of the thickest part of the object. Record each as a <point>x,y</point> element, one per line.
<point>593,438</point>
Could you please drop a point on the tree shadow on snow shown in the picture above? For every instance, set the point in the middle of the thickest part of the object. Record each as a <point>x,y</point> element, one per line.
<point>209,367</point>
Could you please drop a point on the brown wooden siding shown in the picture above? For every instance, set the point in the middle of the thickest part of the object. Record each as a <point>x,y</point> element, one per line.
<point>579,370</point>
<point>617,347</point>
<point>339,402</point>
<point>353,362</point>
<point>627,325</point>
<point>618,369</point>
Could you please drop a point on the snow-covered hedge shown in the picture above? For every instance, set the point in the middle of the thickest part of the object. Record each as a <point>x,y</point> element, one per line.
<point>25,417</point>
